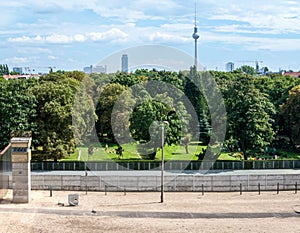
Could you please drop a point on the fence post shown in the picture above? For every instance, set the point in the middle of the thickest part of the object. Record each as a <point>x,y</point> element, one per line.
<point>296,188</point>
<point>293,164</point>
<point>277,188</point>
<point>105,190</point>
<point>241,189</point>
<point>202,190</point>
<point>258,188</point>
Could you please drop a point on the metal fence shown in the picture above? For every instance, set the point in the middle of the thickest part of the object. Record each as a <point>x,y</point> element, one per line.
<point>170,165</point>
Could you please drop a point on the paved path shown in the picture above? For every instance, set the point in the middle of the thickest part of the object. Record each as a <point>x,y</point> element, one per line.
<point>148,214</point>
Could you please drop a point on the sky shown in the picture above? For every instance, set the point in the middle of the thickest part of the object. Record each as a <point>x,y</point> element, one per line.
<point>70,35</point>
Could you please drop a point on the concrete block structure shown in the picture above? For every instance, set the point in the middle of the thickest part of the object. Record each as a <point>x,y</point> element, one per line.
<point>21,176</point>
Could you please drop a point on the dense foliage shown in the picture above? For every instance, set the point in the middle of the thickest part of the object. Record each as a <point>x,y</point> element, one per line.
<point>260,110</point>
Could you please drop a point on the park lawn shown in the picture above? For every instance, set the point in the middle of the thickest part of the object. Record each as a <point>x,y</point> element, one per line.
<point>100,154</point>
<point>228,156</point>
<point>130,153</point>
<point>178,152</point>
<point>174,152</point>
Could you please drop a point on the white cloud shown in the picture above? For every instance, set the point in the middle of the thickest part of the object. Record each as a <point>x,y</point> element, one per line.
<point>268,17</point>
<point>167,37</point>
<point>79,38</point>
<point>50,57</point>
<point>253,43</point>
<point>18,60</point>
<point>26,39</point>
<point>113,34</point>
<point>58,39</point>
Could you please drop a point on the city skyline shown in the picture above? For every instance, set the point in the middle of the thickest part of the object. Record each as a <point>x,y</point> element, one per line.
<point>72,35</point>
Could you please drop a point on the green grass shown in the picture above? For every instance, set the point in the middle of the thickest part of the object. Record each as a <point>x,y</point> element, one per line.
<point>130,153</point>
<point>100,154</point>
<point>228,156</point>
<point>170,153</point>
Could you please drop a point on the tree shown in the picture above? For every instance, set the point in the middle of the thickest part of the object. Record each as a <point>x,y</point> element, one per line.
<point>291,115</point>
<point>109,95</point>
<point>277,88</point>
<point>249,113</point>
<point>4,69</point>
<point>83,115</point>
<point>17,108</point>
<point>246,70</point>
<point>193,89</point>
<point>144,115</point>
<point>55,96</point>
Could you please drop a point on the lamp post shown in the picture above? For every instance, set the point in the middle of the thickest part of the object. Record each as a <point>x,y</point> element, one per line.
<point>162,161</point>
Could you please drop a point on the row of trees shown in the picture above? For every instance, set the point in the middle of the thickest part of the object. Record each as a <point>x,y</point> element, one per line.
<point>131,107</point>
<point>4,69</point>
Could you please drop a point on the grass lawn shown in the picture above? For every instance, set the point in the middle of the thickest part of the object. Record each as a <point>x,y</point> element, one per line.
<point>170,152</point>
<point>130,153</point>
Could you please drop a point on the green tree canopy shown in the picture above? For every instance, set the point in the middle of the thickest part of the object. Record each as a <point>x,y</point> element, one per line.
<point>55,97</point>
<point>290,112</point>
<point>17,108</point>
<point>249,113</point>
<point>108,96</point>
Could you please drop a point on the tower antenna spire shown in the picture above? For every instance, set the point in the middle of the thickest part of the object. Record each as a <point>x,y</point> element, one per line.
<point>196,36</point>
<point>195,13</point>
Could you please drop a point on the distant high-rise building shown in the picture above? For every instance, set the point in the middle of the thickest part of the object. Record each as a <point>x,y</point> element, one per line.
<point>99,69</point>
<point>229,67</point>
<point>88,69</point>
<point>125,63</point>
<point>18,70</point>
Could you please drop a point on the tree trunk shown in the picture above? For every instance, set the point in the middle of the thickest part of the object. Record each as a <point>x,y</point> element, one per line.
<point>244,150</point>
<point>187,148</point>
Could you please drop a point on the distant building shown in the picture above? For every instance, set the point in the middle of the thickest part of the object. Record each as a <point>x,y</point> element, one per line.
<point>22,76</point>
<point>125,63</point>
<point>18,70</point>
<point>292,74</point>
<point>88,69</point>
<point>99,69</point>
<point>229,67</point>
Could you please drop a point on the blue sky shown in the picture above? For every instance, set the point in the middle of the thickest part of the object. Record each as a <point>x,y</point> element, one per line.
<point>72,34</point>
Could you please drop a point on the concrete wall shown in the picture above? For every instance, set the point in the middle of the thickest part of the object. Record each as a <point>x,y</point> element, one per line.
<point>214,183</point>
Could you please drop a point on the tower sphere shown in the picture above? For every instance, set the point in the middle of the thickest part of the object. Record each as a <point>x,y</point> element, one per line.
<point>196,35</point>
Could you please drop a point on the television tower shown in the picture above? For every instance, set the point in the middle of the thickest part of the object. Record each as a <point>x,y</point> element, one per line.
<point>196,35</point>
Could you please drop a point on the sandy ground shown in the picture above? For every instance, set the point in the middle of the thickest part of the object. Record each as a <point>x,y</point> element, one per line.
<point>143,212</point>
